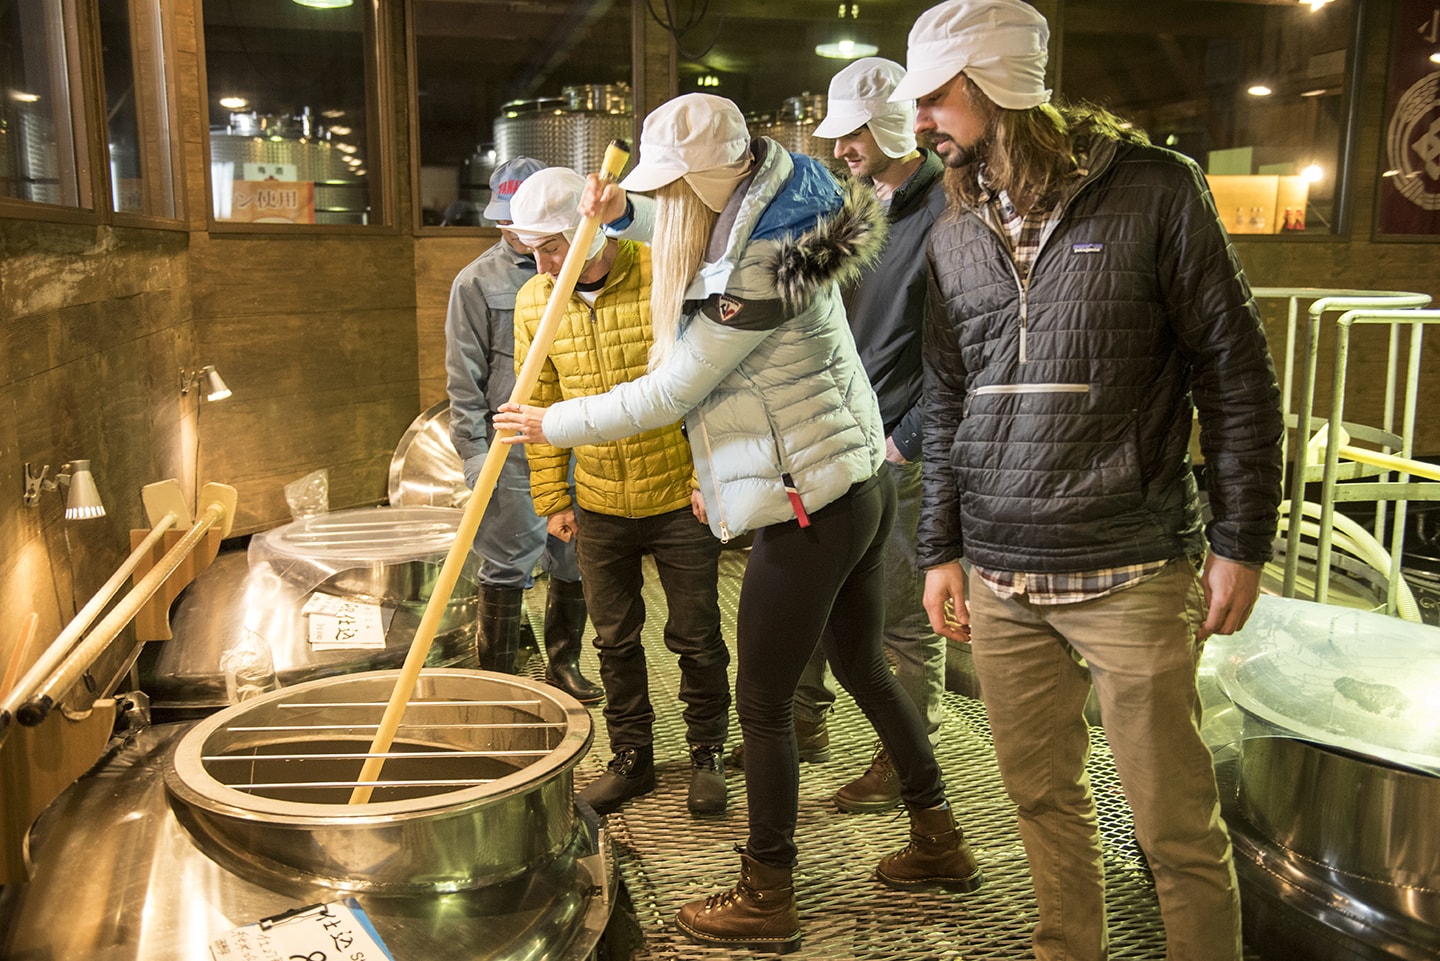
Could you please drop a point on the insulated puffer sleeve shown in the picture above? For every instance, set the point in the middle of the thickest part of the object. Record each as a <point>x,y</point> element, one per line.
<point>1233,381</point>
<point>940,537</point>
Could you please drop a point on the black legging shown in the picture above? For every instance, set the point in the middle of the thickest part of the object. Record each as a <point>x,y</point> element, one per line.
<point>823,583</point>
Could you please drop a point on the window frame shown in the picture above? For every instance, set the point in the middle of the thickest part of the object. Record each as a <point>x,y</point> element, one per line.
<point>165,14</point>
<point>377,38</point>
<point>82,51</point>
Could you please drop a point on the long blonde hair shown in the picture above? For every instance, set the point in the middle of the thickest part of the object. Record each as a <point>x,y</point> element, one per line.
<point>682,230</point>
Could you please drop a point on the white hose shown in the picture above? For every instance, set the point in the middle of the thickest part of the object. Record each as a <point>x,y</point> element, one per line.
<point>1355,540</point>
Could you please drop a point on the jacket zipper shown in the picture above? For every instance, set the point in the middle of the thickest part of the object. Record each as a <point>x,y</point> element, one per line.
<point>714,482</point>
<point>605,379</point>
<point>1052,388</point>
<point>1023,285</point>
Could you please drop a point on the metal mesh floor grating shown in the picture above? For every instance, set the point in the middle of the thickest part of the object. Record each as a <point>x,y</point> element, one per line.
<point>668,858</point>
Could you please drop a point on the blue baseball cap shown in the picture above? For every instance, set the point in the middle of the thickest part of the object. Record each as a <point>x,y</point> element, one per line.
<point>507,179</point>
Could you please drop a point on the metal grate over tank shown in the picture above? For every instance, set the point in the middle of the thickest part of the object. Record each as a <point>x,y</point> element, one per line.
<point>476,789</point>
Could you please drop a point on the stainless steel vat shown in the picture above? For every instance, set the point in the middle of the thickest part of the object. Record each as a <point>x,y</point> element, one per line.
<point>1334,815</point>
<point>478,789</point>
<point>259,596</point>
<point>157,851</point>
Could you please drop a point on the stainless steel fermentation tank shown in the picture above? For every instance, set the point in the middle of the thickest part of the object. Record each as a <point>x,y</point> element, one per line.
<point>571,130</point>
<point>471,847</point>
<point>341,197</point>
<point>1335,813</point>
<point>794,128</point>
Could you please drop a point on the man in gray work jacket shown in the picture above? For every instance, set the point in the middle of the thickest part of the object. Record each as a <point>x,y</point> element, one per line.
<point>480,374</point>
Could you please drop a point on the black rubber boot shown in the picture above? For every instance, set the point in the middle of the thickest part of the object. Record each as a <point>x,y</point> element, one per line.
<point>497,629</point>
<point>630,774</point>
<point>565,614</point>
<point>528,647</point>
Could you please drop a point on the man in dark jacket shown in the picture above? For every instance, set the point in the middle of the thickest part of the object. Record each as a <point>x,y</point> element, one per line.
<point>886,309</point>
<point>1090,305</point>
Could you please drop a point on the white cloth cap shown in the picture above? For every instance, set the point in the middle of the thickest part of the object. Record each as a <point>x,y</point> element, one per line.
<point>860,96</point>
<point>548,203</point>
<point>999,44</point>
<point>692,133</point>
<point>505,180</point>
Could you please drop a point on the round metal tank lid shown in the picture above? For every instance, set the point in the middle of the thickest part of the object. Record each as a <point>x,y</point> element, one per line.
<point>1354,680</point>
<point>425,469</point>
<point>363,536</point>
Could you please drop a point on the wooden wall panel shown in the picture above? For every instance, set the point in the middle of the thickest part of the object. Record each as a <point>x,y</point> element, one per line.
<point>437,261</point>
<point>94,326</point>
<point>316,336</point>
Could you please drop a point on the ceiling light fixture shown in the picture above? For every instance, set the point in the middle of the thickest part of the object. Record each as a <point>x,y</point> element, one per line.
<point>844,46</point>
<point>1259,90</point>
<point>325,4</point>
<point>234,103</point>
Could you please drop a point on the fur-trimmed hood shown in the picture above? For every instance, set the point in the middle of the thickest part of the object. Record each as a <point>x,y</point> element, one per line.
<point>838,248</point>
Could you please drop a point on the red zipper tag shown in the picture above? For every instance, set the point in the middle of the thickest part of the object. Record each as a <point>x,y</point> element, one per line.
<point>794,496</point>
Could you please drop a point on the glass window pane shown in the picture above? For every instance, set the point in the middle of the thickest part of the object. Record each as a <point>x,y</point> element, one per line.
<point>40,157</point>
<point>496,80</point>
<point>1181,70</point>
<point>137,110</point>
<point>1256,93</point>
<point>290,130</point>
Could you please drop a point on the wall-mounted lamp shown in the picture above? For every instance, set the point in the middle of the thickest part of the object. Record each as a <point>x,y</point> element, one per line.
<point>82,501</point>
<point>208,379</point>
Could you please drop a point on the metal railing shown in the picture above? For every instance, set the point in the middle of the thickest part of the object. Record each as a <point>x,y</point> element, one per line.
<point>1383,474</point>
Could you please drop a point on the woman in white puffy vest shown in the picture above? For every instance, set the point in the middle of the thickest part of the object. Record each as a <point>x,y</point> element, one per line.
<point>750,247</point>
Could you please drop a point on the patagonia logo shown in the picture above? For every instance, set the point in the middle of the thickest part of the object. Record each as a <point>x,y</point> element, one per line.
<point>727,307</point>
<point>1086,248</point>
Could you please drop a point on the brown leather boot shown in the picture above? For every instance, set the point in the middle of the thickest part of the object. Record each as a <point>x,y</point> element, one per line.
<point>878,789</point>
<point>812,738</point>
<point>937,855</point>
<point>757,914</point>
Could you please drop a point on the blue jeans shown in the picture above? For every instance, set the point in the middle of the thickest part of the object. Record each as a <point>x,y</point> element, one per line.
<point>820,584</point>
<point>511,538</point>
<point>687,558</point>
<point>918,652</point>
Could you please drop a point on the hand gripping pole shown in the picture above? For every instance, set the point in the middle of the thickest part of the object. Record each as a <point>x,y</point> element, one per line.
<point>615,157</point>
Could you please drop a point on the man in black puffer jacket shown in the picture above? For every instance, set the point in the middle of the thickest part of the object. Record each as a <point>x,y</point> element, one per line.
<point>1087,305</point>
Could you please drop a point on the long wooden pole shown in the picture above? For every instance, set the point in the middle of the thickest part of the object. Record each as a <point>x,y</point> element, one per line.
<point>33,711</point>
<point>615,157</point>
<point>16,693</point>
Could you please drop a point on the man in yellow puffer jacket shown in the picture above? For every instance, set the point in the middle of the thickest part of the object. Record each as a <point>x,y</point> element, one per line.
<point>631,497</point>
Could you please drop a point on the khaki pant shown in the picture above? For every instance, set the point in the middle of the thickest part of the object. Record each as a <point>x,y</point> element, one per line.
<point>1137,646</point>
